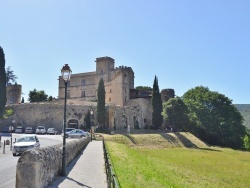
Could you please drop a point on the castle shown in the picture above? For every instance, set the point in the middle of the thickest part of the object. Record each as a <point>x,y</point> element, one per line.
<point>125,105</point>
<point>118,82</point>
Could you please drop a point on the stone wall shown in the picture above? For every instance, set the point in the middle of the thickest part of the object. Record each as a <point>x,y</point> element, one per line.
<point>50,114</point>
<point>38,167</point>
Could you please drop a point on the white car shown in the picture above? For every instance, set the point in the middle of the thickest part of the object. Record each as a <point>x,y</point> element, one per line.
<point>40,130</point>
<point>77,133</point>
<point>24,143</point>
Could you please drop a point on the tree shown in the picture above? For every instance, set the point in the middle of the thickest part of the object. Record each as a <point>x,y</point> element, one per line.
<point>10,77</point>
<point>37,96</point>
<point>2,82</point>
<point>144,88</point>
<point>87,120</point>
<point>175,113</point>
<point>156,101</point>
<point>214,118</point>
<point>22,101</point>
<point>247,142</point>
<point>101,103</point>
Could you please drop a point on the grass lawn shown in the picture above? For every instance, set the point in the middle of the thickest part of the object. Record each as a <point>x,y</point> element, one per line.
<point>157,161</point>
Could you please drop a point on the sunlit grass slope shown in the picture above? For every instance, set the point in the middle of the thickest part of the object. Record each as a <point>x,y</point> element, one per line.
<point>175,160</point>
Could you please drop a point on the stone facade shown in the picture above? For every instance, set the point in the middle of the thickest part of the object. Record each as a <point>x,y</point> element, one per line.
<point>117,81</point>
<point>13,94</point>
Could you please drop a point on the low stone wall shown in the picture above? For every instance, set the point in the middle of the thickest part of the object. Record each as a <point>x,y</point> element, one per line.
<point>38,167</point>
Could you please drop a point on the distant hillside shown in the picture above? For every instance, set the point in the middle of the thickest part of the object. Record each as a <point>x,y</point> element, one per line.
<point>245,111</point>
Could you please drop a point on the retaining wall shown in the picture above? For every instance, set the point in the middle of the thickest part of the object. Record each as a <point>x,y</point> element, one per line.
<point>38,167</point>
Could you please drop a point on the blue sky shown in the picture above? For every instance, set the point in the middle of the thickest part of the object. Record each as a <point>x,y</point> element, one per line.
<point>184,43</point>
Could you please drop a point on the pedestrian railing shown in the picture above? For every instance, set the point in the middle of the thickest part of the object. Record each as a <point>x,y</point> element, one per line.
<point>111,177</point>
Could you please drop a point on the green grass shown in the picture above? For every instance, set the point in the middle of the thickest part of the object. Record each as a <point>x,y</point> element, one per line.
<point>139,162</point>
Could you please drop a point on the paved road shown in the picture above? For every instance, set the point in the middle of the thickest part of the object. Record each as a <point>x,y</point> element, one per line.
<point>8,162</point>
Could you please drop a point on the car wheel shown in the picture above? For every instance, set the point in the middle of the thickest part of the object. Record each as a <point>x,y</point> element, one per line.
<point>14,154</point>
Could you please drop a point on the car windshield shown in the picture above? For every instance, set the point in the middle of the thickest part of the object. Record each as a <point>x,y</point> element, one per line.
<point>28,128</point>
<point>26,139</point>
<point>50,129</point>
<point>40,127</point>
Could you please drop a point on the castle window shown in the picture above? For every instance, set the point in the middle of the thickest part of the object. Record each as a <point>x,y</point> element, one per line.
<point>125,90</point>
<point>109,98</point>
<point>101,71</point>
<point>83,82</point>
<point>125,75</point>
<point>82,93</point>
<point>110,91</point>
<point>125,99</point>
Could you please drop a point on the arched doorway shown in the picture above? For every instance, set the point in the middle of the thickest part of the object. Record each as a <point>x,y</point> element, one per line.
<point>73,123</point>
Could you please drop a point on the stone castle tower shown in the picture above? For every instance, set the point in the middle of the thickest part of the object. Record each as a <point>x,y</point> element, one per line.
<point>13,94</point>
<point>117,81</point>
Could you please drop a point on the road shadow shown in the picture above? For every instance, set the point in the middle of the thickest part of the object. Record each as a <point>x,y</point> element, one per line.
<point>59,179</point>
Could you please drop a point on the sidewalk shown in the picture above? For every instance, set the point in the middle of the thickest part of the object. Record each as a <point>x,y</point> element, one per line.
<point>87,170</point>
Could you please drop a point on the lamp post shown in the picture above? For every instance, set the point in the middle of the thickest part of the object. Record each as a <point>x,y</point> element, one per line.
<point>66,73</point>
<point>91,119</point>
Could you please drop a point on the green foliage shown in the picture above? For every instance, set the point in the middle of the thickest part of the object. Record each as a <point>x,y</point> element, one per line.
<point>10,77</point>
<point>22,101</point>
<point>50,98</point>
<point>247,142</point>
<point>101,103</point>
<point>175,114</point>
<point>156,101</point>
<point>87,120</point>
<point>8,113</point>
<point>144,88</point>
<point>2,82</point>
<point>244,109</point>
<point>213,118</point>
<point>37,96</point>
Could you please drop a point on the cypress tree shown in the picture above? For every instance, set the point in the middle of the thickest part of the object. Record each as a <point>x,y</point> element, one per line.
<point>101,103</point>
<point>2,82</point>
<point>156,101</point>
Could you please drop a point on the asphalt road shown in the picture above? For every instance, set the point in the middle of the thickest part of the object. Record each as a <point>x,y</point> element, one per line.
<point>8,162</point>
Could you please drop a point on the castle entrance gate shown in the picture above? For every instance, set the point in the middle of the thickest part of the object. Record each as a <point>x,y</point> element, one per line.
<point>73,123</point>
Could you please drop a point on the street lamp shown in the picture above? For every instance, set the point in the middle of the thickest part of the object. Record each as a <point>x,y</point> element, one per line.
<point>91,112</point>
<point>66,73</point>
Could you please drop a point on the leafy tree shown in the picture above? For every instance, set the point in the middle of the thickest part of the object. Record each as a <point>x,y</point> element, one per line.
<point>37,96</point>
<point>10,77</point>
<point>22,101</point>
<point>2,82</point>
<point>144,88</point>
<point>156,101</point>
<point>247,142</point>
<point>101,103</point>
<point>50,98</point>
<point>87,120</point>
<point>214,118</point>
<point>175,113</point>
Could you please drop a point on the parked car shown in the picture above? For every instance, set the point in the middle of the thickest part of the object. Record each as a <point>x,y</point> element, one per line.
<point>19,129</point>
<point>40,130</point>
<point>67,130</point>
<point>28,130</point>
<point>77,133</point>
<point>52,131</point>
<point>25,143</point>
